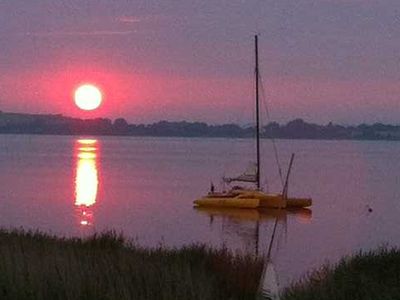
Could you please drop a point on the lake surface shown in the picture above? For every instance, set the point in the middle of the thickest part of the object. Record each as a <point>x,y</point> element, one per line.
<point>144,187</point>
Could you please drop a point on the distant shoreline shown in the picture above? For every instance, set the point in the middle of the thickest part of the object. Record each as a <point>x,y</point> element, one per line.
<point>196,137</point>
<point>298,129</point>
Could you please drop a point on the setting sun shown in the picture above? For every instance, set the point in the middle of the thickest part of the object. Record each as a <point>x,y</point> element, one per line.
<point>88,97</point>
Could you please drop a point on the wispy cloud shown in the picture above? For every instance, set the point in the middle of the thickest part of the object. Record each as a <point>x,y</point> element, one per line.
<point>125,19</point>
<point>129,19</point>
<point>78,33</point>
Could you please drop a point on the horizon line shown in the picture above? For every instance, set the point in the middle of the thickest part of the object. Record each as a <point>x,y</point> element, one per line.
<point>244,125</point>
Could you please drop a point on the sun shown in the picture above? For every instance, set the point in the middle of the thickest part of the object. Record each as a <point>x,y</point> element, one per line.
<point>88,97</point>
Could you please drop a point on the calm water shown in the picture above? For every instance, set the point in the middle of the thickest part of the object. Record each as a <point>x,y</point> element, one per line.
<point>145,188</point>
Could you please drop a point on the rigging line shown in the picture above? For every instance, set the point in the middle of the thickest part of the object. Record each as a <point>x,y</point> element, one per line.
<point>234,146</point>
<point>263,97</point>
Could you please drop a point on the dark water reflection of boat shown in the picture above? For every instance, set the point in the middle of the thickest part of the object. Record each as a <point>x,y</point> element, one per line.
<point>249,224</point>
<point>262,215</point>
<point>237,218</point>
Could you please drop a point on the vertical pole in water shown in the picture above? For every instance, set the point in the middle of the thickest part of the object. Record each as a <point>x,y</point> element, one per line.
<point>257,115</point>
<point>286,186</point>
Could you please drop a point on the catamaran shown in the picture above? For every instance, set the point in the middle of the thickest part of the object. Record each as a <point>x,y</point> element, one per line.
<point>255,197</point>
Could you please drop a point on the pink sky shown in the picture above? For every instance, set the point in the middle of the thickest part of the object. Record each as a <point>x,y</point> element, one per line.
<point>320,60</point>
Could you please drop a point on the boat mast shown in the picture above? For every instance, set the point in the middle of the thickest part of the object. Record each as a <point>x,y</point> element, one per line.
<point>257,115</point>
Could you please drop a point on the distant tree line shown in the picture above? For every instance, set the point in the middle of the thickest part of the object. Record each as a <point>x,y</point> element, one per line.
<point>297,129</point>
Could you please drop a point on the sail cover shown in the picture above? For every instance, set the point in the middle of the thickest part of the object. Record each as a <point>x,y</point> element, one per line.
<point>269,283</point>
<point>250,175</point>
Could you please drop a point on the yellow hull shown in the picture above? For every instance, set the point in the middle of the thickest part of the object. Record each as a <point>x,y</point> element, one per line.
<point>250,199</point>
<point>228,202</point>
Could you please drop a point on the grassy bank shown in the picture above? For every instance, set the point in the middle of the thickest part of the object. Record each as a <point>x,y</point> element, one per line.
<point>38,266</point>
<point>372,275</point>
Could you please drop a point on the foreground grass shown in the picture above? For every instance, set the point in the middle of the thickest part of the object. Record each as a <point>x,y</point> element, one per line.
<point>372,275</point>
<point>38,266</point>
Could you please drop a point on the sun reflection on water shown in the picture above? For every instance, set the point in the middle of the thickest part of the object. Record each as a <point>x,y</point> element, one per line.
<point>86,180</point>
